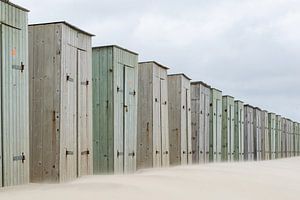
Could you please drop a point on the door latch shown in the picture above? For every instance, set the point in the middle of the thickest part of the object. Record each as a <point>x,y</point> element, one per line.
<point>126,108</point>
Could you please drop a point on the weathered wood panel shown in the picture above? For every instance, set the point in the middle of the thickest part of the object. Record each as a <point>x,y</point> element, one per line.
<point>239,131</point>
<point>257,134</point>
<point>115,86</point>
<point>60,102</point>
<point>215,136</point>
<point>228,128</point>
<point>152,122</point>
<point>179,119</point>
<point>14,140</point>
<point>249,134</point>
<point>200,100</point>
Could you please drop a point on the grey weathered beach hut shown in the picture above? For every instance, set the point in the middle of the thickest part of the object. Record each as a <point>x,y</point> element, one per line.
<point>265,136</point>
<point>200,100</point>
<point>278,136</point>
<point>60,61</point>
<point>153,128</point>
<point>115,99</point>
<point>180,132</point>
<point>14,113</point>
<point>272,134</point>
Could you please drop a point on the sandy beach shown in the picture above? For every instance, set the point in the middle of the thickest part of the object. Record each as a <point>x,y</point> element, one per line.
<point>278,179</point>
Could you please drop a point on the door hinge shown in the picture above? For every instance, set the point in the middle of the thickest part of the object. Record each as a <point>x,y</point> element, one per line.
<point>19,158</point>
<point>133,93</point>
<point>119,154</point>
<point>69,78</point>
<point>19,67</point>
<point>85,153</point>
<point>131,154</point>
<point>85,83</point>
<point>69,153</point>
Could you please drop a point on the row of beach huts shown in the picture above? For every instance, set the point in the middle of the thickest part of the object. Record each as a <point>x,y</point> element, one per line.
<point>69,110</point>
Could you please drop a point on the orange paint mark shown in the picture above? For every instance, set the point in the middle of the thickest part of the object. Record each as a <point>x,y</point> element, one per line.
<point>14,52</point>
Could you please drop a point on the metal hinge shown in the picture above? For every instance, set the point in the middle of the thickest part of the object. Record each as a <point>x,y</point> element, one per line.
<point>133,93</point>
<point>69,153</point>
<point>120,154</point>
<point>131,154</point>
<point>85,82</point>
<point>119,90</point>
<point>69,78</point>
<point>19,67</point>
<point>19,158</point>
<point>85,153</point>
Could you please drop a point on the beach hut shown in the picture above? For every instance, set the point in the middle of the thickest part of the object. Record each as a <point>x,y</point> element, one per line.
<point>265,136</point>
<point>180,133</point>
<point>228,128</point>
<point>272,136</point>
<point>153,129</point>
<point>249,133</point>
<point>115,99</point>
<point>215,129</point>
<point>200,100</point>
<point>278,136</point>
<point>257,131</point>
<point>60,102</point>
<point>239,130</point>
<point>14,113</point>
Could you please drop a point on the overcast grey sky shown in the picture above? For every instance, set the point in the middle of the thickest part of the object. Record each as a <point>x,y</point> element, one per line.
<point>250,49</point>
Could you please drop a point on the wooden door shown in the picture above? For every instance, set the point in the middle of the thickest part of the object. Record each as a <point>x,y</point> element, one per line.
<point>68,146</point>
<point>83,118</point>
<point>14,106</point>
<point>130,112</point>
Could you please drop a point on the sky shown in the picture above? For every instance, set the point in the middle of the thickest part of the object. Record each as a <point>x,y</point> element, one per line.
<point>249,49</point>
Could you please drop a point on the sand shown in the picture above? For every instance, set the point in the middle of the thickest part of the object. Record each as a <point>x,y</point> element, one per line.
<point>279,179</point>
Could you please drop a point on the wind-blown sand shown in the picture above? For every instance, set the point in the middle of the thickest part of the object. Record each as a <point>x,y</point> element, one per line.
<point>279,179</point>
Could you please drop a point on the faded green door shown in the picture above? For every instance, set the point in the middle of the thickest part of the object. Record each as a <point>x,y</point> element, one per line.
<point>130,98</point>
<point>14,107</point>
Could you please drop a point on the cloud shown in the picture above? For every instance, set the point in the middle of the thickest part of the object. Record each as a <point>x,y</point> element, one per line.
<point>247,48</point>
